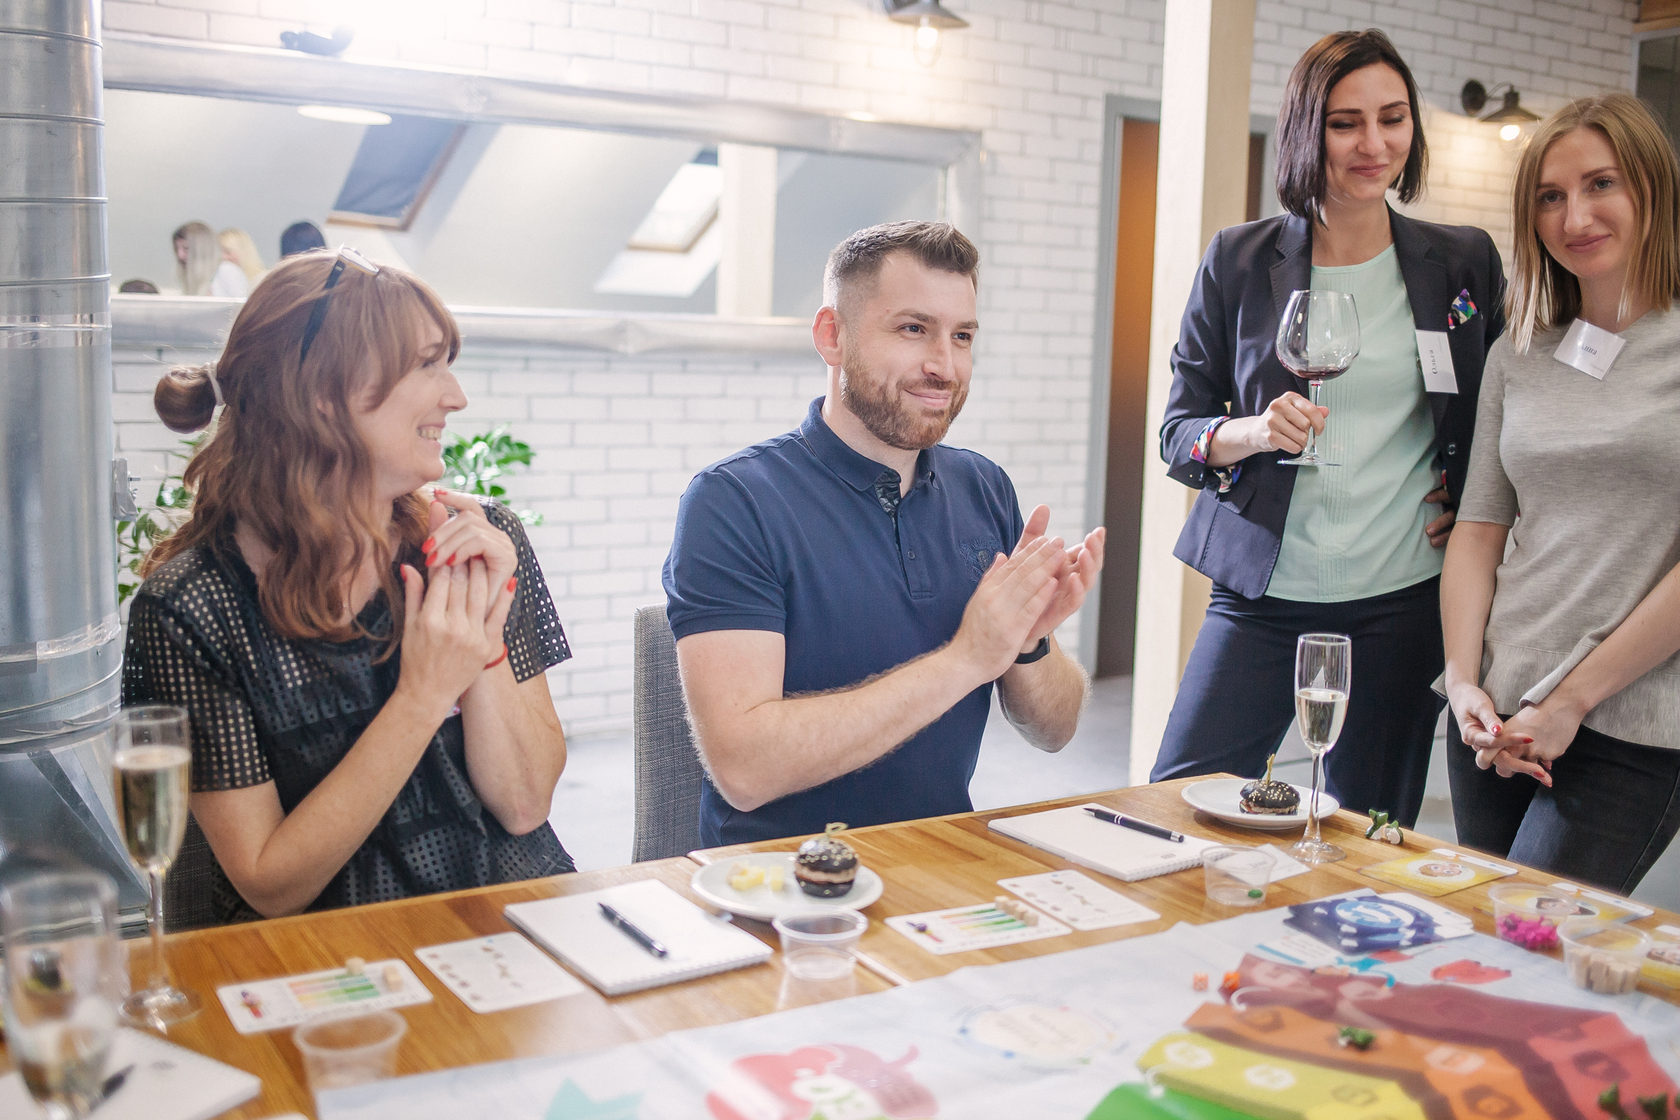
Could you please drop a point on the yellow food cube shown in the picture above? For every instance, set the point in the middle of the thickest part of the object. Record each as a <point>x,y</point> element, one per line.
<point>745,878</point>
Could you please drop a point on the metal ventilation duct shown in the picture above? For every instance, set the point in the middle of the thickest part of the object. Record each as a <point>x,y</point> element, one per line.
<point>60,637</point>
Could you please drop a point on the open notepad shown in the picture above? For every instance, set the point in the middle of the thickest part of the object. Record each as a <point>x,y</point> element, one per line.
<point>574,930</point>
<point>1074,834</point>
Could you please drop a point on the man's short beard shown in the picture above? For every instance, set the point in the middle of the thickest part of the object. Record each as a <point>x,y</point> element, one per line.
<point>879,409</point>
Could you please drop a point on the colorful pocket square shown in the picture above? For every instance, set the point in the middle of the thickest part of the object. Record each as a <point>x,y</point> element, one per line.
<point>1462,311</point>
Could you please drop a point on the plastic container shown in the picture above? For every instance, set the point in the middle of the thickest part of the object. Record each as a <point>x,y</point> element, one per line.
<point>819,945</point>
<point>1527,915</point>
<point>1603,956</point>
<point>342,1051</point>
<point>1662,960</point>
<point>1237,876</point>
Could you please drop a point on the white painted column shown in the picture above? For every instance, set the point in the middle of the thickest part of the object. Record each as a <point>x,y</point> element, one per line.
<point>747,213</point>
<point>1205,67</point>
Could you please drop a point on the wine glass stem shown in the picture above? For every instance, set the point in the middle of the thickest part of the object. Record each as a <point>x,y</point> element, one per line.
<point>1312,836</point>
<point>1311,451</point>
<point>154,919</point>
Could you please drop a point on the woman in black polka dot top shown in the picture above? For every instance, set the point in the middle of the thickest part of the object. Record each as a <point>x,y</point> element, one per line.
<point>361,656</point>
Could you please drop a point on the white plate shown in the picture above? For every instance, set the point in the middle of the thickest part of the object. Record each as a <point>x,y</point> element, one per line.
<point>1222,798</point>
<point>711,883</point>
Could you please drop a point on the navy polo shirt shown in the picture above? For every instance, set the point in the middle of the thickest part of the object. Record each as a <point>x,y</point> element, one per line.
<point>791,535</point>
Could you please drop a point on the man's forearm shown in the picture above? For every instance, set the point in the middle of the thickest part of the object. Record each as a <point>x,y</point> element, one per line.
<point>763,751</point>
<point>1043,700</point>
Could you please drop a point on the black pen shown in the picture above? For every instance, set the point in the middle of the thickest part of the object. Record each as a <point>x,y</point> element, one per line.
<point>114,1082</point>
<point>640,935</point>
<point>1147,829</point>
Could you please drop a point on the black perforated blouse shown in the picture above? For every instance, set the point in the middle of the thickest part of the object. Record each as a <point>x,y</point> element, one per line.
<point>269,708</point>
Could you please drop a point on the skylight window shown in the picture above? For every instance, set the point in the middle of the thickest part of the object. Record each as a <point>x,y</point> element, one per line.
<point>687,205</point>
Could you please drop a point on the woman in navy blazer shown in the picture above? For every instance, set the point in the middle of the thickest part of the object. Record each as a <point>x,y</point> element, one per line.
<point>1347,133</point>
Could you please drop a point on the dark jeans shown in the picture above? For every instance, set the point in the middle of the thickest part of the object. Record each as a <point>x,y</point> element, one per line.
<point>1611,811</point>
<point>1238,693</point>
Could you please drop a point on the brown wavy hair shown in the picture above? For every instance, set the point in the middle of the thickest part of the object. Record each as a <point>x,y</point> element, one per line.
<point>284,459</point>
<point>1543,294</point>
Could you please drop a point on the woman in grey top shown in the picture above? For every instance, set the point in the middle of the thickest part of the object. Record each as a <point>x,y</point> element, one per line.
<point>1561,654</point>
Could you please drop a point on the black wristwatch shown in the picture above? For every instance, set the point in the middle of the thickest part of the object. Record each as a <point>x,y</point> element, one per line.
<point>1037,653</point>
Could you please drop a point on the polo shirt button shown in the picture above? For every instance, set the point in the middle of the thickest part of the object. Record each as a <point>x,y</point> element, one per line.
<point>912,555</point>
<point>1452,449</point>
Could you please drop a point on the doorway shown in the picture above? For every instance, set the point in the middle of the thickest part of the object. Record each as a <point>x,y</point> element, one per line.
<point>1131,437</point>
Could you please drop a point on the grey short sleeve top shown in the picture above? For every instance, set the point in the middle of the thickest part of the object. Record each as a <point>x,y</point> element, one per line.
<point>1583,471</point>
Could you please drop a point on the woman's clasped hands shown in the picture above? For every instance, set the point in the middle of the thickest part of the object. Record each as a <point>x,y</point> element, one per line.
<point>1527,743</point>
<point>452,631</point>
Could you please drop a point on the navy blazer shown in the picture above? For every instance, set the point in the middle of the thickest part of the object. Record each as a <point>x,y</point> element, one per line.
<point>1225,362</point>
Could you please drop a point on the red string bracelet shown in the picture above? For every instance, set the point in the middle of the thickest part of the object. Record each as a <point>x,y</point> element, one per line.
<point>500,657</point>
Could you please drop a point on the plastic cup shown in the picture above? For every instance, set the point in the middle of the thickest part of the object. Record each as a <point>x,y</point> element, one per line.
<point>1603,956</point>
<point>819,946</point>
<point>342,1051</point>
<point>1237,876</point>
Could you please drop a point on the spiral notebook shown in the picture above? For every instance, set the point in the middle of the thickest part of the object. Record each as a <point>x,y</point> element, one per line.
<point>575,931</point>
<point>1124,853</point>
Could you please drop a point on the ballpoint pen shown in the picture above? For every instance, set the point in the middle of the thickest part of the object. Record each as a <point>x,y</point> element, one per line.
<point>639,935</point>
<point>1144,827</point>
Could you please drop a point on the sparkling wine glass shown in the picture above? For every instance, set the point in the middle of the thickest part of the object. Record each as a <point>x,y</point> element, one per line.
<point>1322,666</point>
<point>1317,339</point>
<point>149,772</point>
<point>64,979</point>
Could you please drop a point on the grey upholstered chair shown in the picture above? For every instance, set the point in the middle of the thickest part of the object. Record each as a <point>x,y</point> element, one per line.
<point>668,772</point>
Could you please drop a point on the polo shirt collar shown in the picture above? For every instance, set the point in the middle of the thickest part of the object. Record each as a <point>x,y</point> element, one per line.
<point>857,470</point>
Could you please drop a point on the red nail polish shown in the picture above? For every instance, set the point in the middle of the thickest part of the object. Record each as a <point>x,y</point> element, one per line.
<point>451,559</point>
<point>513,582</point>
<point>1497,730</point>
<point>1528,738</point>
<point>431,543</point>
<point>438,491</point>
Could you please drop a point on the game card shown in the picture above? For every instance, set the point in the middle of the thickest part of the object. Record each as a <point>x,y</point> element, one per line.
<point>1077,899</point>
<point>1438,872</point>
<point>497,972</point>
<point>982,926</point>
<point>269,1005</point>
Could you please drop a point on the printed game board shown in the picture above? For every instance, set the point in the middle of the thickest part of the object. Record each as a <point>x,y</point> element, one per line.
<point>1469,1026</point>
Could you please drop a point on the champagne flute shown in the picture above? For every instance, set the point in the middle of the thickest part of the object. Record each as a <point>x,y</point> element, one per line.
<point>1317,339</point>
<point>64,979</point>
<point>150,772</point>
<point>1322,667</point>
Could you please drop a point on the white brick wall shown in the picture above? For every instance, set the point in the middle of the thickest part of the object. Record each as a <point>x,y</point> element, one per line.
<point>617,438</point>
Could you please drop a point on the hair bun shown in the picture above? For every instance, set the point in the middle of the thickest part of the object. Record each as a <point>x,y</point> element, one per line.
<point>186,397</point>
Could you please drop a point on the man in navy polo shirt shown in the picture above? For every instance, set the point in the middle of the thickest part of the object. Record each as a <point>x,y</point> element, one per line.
<point>841,595</point>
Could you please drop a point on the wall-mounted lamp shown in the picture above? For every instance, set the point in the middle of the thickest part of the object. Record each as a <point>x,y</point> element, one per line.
<point>310,43</point>
<point>1510,117</point>
<point>929,18</point>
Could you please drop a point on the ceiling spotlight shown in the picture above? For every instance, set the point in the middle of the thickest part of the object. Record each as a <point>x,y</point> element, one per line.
<point>929,18</point>
<point>310,43</point>
<point>1510,116</point>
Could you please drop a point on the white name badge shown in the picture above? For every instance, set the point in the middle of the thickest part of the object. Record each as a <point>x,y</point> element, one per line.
<point>1589,349</point>
<point>1435,358</point>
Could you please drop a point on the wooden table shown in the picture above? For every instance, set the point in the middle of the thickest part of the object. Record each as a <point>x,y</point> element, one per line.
<point>445,1032</point>
<point>926,865</point>
<point>950,861</point>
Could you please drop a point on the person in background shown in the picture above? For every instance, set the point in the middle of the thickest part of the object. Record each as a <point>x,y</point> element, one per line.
<point>1354,548</point>
<point>840,595</point>
<point>300,237</point>
<point>361,656</point>
<point>1562,625</point>
<point>197,258</point>
<point>238,247</point>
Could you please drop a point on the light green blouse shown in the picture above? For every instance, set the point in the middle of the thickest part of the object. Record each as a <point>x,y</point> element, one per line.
<point>1356,530</point>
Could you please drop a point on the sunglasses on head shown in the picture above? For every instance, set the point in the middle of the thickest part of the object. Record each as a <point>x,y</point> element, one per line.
<point>347,258</point>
